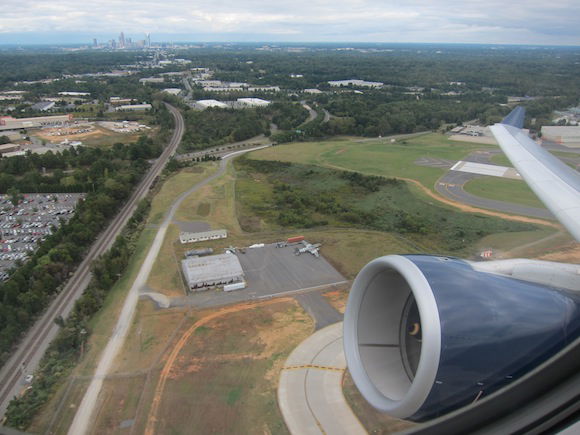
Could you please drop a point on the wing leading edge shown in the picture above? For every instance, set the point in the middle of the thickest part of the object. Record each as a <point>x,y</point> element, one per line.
<point>555,183</point>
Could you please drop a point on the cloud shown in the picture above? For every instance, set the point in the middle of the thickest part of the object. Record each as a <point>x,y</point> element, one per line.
<point>493,21</point>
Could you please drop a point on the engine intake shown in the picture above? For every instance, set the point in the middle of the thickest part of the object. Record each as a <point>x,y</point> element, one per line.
<point>424,335</point>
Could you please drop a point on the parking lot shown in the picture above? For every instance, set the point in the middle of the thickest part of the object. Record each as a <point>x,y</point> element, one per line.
<point>25,226</point>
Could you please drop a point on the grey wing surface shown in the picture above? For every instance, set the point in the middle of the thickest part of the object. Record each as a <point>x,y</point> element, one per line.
<point>556,184</point>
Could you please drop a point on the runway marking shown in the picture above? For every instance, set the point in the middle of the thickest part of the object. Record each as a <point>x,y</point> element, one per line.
<point>313,366</point>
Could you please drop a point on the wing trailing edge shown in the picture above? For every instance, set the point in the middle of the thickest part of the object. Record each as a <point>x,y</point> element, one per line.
<point>556,184</point>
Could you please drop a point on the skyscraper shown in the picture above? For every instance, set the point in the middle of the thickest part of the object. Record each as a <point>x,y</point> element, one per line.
<point>148,40</point>
<point>122,40</point>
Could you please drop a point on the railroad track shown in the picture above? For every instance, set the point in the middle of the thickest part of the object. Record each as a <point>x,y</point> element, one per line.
<point>33,346</point>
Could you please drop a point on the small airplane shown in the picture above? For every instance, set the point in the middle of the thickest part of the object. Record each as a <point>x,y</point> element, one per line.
<point>308,247</point>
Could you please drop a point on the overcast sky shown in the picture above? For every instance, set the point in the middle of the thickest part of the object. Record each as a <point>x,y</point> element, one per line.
<point>461,21</point>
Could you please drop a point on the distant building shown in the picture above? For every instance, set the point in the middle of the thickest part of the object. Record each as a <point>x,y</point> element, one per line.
<point>355,83</point>
<point>312,91</point>
<point>200,273</point>
<point>117,101</point>
<point>251,102</point>
<point>8,148</point>
<point>203,236</point>
<point>133,107</point>
<point>204,104</point>
<point>74,94</point>
<point>565,135</point>
<point>9,123</point>
<point>172,91</point>
<point>43,106</point>
<point>146,80</point>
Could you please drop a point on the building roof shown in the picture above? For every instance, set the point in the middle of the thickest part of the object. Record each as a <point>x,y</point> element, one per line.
<point>43,105</point>
<point>212,268</point>
<point>253,101</point>
<point>211,103</point>
<point>562,131</point>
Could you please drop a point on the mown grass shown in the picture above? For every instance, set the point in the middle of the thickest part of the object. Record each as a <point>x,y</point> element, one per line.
<point>380,157</point>
<point>504,189</point>
<point>174,186</point>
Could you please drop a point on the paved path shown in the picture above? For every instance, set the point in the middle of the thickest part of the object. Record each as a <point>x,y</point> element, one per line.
<point>451,185</point>
<point>310,387</point>
<point>316,305</point>
<point>83,417</point>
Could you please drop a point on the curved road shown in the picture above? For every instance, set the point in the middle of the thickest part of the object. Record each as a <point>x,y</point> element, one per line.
<point>83,417</point>
<point>31,349</point>
<point>310,387</point>
<point>451,186</point>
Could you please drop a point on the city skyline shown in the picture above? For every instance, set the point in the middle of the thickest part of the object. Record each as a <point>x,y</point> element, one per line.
<point>535,22</point>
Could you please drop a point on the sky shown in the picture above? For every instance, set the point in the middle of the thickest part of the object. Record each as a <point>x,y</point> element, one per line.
<point>446,21</point>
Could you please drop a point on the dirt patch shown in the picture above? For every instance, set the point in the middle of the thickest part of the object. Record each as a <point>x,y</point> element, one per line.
<point>340,151</point>
<point>337,298</point>
<point>219,363</point>
<point>568,254</point>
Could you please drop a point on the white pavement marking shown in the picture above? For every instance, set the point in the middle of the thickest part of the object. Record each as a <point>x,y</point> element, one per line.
<point>80,424</point>
<point>310,387</point>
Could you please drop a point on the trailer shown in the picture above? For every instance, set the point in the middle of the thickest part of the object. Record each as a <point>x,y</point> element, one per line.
<point>235,286</point>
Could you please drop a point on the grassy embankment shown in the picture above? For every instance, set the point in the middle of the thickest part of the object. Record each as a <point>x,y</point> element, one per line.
<point>59,411</point>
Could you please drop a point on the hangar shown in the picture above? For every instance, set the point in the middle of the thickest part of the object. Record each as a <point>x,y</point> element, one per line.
<point>210,271</point>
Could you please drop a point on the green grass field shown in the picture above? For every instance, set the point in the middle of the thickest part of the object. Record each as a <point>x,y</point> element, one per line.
<point>277,196</point>
<point>504,189</point>
<point>378,157</point>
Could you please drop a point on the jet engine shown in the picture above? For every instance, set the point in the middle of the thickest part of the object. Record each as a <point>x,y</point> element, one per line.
<point>424,335</point>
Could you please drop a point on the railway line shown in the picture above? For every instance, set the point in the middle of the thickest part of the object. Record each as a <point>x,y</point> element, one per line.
<point>31,349</point>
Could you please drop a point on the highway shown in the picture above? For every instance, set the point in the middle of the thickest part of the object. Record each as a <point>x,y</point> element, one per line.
<point>26,357</point>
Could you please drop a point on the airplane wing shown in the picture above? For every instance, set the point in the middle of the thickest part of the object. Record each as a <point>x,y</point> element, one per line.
<point>555,183</point>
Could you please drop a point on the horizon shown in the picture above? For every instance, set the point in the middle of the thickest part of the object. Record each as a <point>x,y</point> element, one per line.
<point>536,22</point>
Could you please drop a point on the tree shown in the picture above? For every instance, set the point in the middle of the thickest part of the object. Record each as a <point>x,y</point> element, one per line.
<point>15,196</point>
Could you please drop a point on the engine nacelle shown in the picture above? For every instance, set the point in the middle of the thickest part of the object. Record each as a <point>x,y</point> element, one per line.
<point>424,335</point>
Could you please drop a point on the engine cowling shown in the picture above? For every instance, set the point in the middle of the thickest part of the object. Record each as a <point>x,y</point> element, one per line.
<point>424,335</point>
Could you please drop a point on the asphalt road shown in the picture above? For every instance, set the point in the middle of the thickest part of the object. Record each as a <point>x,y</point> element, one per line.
<point>316,305</point>
<point>310,387</point>
<point>451,186</point>
<point>26,357</point>
<point>83,416</point>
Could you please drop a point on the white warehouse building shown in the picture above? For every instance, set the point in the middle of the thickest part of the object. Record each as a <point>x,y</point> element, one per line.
<point>202,237</point>
<point>251,102</point>
<point>200,273</point>
<point>204,104</point>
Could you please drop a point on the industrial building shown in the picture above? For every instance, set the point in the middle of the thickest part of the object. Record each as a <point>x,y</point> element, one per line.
<point>9,123</point>
<point>565,135</point>
<point>133,107</point>
<point>204,104</point>
<point>356,83</point>
<point>203,236</point>
<point>43,106</point>
<point>251,102</point>
<point>8,148</point>
<point>201,273</point>
<point>74,94</point>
